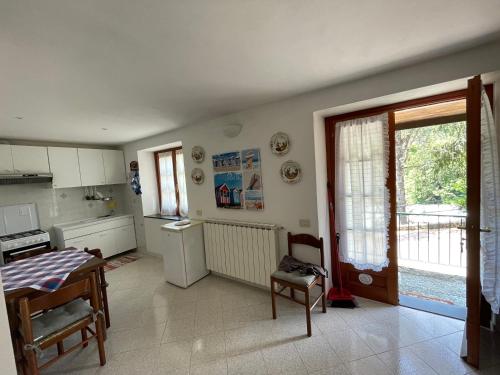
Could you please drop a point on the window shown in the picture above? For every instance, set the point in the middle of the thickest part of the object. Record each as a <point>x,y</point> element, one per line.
<point>171,180</point>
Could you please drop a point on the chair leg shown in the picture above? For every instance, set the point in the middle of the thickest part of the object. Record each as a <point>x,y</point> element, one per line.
<point>84,337</point>
<point>60,348</point>
<point>323,299</point>
<point>308,312</point>
<point>104,294</point>
<point>100,340</point>
<point>31,362</point>
<point>273,299</point>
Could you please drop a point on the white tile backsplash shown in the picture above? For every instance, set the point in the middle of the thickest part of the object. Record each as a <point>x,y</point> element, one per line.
<point>63,205</point>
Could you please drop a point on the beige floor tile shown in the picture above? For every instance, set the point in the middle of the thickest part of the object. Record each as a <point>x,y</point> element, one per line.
<point>283,359</point>
<point>176,330</point>
<point>218,326</point>
<point>251,363</point>
<point>316,353</point>
<point>175,355</point>
<point>440,358</point>
<point>368,366</point>
<point>337,370</point>
<point>208,348</point>
<point>404,362</point>
<point>218,367</point>
<point>349,346</point>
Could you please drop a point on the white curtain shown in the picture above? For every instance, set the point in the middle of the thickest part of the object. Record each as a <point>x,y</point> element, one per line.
<point>181,183</point>
<point>167,184</point>
<point>361,197</point>
<point>490,207</point>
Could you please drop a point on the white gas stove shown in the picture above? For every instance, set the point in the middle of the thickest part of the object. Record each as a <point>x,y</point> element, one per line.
<point>20,230</point>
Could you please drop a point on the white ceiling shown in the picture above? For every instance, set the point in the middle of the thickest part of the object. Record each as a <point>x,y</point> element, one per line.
<point>137,68</point>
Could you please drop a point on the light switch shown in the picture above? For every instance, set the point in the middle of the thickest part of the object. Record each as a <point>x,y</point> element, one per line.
<point>304,223</point>
<point>199,212</point>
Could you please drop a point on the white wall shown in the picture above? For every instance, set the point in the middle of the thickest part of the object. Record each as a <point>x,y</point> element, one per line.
<point>286,204</point>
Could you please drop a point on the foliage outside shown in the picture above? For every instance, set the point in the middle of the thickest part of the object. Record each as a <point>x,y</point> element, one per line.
<point>431,163</point>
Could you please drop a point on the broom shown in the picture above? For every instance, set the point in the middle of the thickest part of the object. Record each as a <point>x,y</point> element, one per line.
<point>338,297</point>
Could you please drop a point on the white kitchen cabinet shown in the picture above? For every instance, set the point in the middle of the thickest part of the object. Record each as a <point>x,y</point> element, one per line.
<point>30,159</point>
<point>91,167</point>
<point>112,235</point>
<point>64,167</point>
<point>125,237</point>
<point>114,167</point>
<point>6,165</point>
<point>89,241</point>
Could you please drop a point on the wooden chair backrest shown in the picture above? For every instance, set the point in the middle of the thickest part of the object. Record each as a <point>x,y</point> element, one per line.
<point>308,240</point>
<point>61,296</point>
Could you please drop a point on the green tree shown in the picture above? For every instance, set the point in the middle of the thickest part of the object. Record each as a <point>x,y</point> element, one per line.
<point>435,165</point>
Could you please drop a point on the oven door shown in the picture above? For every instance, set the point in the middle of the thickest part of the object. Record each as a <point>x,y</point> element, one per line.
<point>24,252</point>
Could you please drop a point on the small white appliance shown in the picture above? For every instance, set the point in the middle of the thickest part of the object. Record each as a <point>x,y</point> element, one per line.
<point>20,230</point>
<point>184,253</point>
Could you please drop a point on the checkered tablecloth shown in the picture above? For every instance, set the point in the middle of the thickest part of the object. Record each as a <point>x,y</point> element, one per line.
<point>45,272</point>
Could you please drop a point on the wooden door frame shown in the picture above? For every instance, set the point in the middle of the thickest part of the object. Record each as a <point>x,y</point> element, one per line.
<point>382,290</point>
<point>156,154</point>
<point>473,222</point>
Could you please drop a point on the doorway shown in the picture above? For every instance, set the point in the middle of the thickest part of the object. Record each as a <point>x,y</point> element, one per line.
<point>431,195</point>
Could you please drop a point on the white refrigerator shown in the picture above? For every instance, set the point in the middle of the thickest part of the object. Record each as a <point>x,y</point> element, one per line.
<point>184,253</point>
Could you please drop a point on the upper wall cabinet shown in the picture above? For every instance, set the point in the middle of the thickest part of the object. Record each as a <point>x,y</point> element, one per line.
<point>64,167</point>
<point>114,167</point>
<point>91,167</point>
<point>6,165</point>
<point>30,159</point>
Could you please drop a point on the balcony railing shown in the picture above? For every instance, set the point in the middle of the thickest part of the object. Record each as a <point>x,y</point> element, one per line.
<point>432,242</point>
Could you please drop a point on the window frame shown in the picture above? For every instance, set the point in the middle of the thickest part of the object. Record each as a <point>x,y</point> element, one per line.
<point>172,150</point>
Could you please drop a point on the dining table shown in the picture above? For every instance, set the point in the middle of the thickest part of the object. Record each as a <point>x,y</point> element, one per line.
<point>12,293</point>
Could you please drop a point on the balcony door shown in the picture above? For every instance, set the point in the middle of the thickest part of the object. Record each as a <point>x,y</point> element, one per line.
<point>382,285</point>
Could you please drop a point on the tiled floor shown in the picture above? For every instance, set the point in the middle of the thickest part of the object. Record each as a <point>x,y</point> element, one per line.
<point>222,327</point>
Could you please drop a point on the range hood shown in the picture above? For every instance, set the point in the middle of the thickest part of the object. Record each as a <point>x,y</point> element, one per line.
<point>24,178</point>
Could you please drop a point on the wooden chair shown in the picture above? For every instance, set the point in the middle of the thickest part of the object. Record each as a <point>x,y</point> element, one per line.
<point>297,281</point>
<point>66,313</point>
<point>103,285</point>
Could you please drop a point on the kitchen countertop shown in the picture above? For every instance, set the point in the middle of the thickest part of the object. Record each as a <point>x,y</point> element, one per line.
<point>166,217</point>
<point>90,221</point>
<point>171,227</point>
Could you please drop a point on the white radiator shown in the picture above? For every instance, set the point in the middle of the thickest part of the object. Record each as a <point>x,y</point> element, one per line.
<point>246,251</point>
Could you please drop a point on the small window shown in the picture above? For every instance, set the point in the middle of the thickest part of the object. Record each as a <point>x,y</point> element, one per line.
<point>171,180</point>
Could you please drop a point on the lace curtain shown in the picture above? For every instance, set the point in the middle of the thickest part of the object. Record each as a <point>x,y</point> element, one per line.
<point>490,207</point>
<point>167,183</point>
<point>361,196</point>
<point>181,183</point>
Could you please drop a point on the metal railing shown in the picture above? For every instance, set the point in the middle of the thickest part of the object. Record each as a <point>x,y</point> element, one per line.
<point>436,239</point>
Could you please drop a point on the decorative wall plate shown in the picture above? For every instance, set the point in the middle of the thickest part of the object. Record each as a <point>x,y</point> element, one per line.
<point>291,172</point>
<point>197,176</point>
<point>198,154</point>
<point>280,143</point>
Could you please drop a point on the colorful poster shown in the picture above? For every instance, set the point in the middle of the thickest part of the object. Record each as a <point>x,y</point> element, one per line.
<point>254,200</point>
<point>252,179</point>
<point>227,162</point>
<point>228,190</point>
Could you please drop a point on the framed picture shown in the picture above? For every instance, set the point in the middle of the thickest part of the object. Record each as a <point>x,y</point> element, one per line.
<point>228,190</point>
<point>227,162</point>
